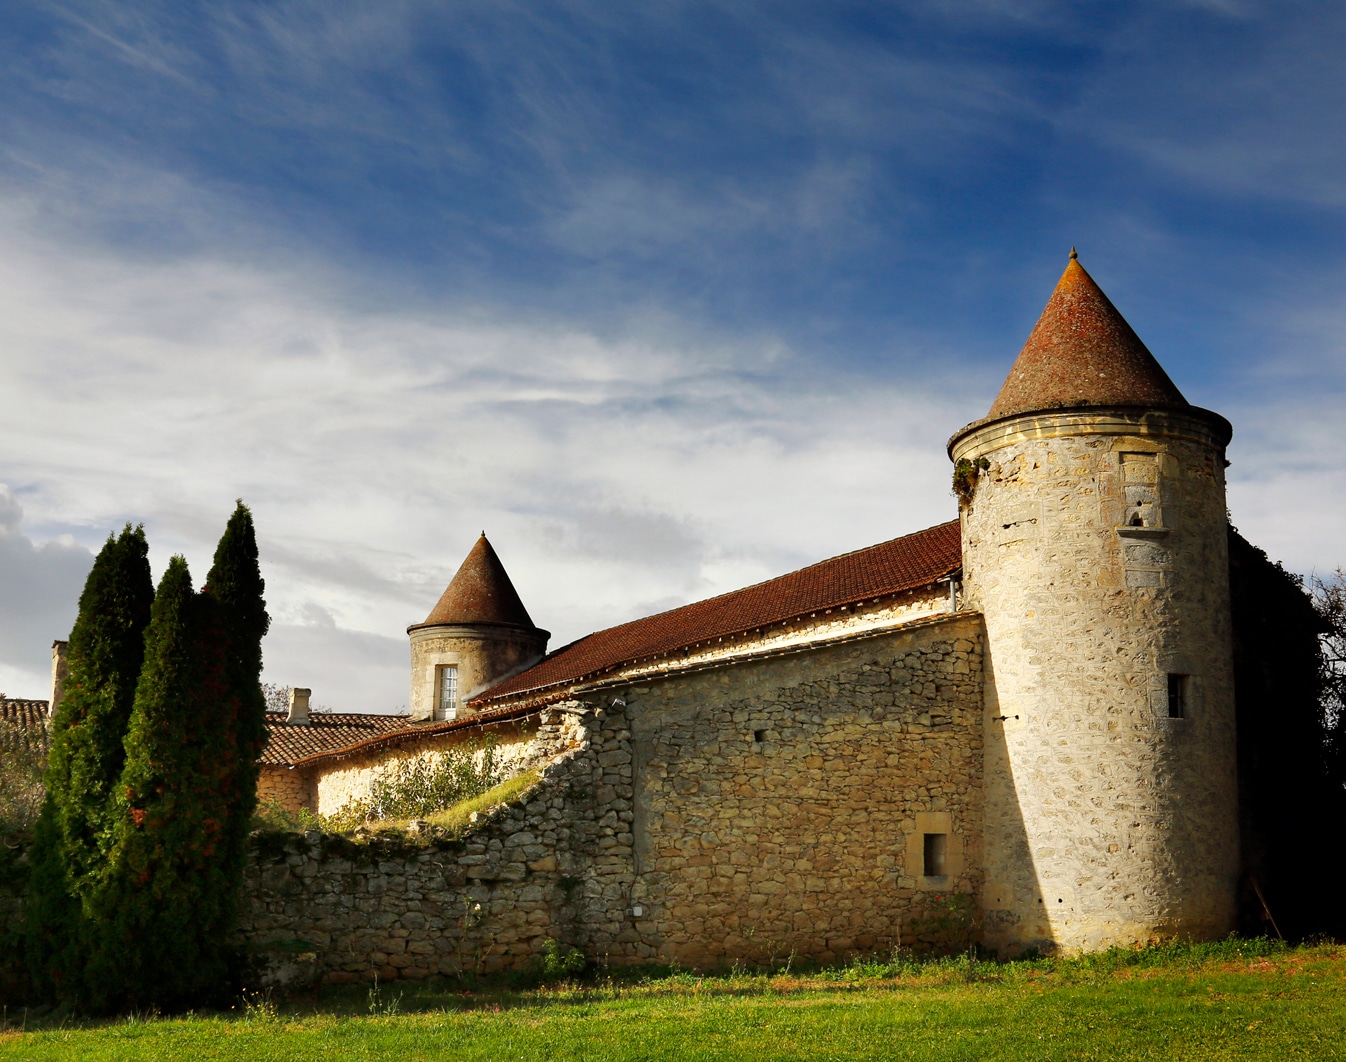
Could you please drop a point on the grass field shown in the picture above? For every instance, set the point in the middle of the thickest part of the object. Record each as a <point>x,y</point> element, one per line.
<point>1233,1000</point>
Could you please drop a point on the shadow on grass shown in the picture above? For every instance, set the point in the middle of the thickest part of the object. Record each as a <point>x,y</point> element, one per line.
<point>894,972</point>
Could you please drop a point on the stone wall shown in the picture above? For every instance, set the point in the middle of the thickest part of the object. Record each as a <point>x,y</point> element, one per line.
<point>288,788</point>
<point>776,802</point>
<point>331,908</point>
<point>1095,546</point>
<point>741,812</point>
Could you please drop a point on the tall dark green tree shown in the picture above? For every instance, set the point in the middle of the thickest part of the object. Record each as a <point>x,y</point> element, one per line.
<point>159,914</point>
<point>186,797</point>
<point>239,622</point>
<point>87,757</point>
<point>1291,803</point>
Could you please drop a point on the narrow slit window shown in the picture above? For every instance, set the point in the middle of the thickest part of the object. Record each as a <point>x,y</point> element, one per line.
<point>448,692</point>
<point>936,850</point>
<point>1177,696</point>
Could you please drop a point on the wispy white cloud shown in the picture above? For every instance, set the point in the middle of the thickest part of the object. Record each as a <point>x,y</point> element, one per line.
<point>1288,483</point>
<point>1250,112</point>
<point>615,474</point>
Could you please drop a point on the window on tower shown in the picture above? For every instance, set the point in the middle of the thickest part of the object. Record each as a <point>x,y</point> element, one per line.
<point>1140,489</point>
<point>1177,696</point>
<point>448,692</point>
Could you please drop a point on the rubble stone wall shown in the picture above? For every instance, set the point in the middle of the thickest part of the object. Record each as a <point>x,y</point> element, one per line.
<point>333,908</point>
<point>781,806</point>
<point>286,787</point>
<point>740,812</point>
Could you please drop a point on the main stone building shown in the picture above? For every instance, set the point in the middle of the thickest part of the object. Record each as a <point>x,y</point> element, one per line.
<point>1019,725</point>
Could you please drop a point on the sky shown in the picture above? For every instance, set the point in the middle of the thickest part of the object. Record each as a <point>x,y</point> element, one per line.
<point>668,298</point>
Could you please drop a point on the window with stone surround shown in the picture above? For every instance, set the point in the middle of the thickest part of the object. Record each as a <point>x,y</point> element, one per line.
<point>1140,489</point>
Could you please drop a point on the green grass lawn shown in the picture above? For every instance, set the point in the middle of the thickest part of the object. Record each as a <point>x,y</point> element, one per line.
<point>1231,1000</point>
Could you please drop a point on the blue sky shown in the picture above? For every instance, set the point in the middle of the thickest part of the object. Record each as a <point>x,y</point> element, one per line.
<point>668,297</point>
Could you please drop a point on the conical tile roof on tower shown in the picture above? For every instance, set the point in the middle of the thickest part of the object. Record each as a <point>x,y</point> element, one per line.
<point>1082,352</point>
<point>481,592</point>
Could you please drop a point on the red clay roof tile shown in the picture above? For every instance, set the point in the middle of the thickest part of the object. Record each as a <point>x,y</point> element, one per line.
<point>481,592</point>
<point>26,721</point>
<point>1083,353</point>
<point>325,732</point>
<point>409,733</point>
<point>889,568</point>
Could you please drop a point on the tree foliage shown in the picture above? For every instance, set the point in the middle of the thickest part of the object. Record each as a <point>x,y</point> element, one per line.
<point>236,588</point>
<point>159,913</point>
<point>140,849</point>
<point>23,761</point>
<point>86,757</point>
<point>1291,798</point>
<point>1329,597</point>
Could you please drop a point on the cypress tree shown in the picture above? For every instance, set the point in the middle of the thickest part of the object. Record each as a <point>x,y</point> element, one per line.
<point>86,758</point>
<point>161,909</point>
<point>234,587</point>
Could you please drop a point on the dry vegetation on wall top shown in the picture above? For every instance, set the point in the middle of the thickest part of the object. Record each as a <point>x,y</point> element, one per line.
<point>427,786</point>
<point>445,823</point>
<point>965,473</point>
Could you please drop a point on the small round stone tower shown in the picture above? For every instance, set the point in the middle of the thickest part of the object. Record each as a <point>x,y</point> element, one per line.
<point>1094,544</point>
<point>478,634</point>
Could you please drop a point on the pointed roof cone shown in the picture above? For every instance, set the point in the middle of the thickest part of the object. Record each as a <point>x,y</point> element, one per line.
<point>1083,353</point>
<point>480,593</point>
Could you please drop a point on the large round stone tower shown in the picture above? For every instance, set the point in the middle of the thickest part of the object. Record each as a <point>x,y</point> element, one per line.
<point>1094,544</point>
<point>478,634</point>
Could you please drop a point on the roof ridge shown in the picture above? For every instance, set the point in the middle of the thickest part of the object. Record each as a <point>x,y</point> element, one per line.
<point>898,565</point>
<point>753,586</point>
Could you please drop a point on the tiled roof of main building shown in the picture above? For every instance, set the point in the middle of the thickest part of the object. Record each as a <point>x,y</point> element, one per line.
<point>324,732</point>
<point>28,719</point>
<point>885,570</point>
<point>890,568</point>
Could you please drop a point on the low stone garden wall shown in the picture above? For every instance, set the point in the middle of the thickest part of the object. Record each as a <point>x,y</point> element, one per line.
<point>774,807</point>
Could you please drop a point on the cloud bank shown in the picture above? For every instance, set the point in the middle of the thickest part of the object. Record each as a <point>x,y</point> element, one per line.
<point>666,298</point>
<point>614,475</point>
<point>39,589</point>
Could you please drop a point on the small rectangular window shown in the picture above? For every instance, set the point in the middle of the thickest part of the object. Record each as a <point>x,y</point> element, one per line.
<point>936,846</point>
<point>448,692</point>
<point>1177,696</point>
<point>759,736</point>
